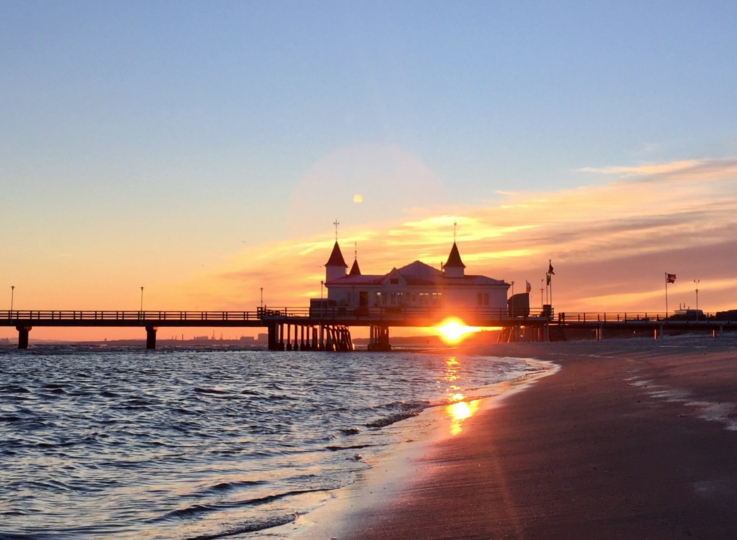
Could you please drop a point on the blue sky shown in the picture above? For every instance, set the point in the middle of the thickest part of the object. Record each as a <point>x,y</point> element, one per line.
<point>172,133</point>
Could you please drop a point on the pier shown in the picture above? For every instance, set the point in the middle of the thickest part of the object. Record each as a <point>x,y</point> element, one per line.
<point>328,329</point>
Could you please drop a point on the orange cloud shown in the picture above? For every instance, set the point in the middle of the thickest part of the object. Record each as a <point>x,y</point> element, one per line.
<point>610,244</point>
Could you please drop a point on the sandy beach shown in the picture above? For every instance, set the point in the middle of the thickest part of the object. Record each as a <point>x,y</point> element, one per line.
<point>629,439</point>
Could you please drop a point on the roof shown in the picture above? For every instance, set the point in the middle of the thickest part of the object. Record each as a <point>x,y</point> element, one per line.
<point>454,259</point>
<point>419,273</point>
<point>357,280</point>
<point>355,270</point>
<point>474,280</point>
<point>336,257</point>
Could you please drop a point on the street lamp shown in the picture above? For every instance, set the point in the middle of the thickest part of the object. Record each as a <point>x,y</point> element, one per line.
<point>12,293</point>
<point>141,299</point>
<point>697,281</point>
<point>262,298</point>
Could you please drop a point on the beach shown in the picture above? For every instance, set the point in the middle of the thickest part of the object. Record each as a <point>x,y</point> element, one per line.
<point>631,438</point>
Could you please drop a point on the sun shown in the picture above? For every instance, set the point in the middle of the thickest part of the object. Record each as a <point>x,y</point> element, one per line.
<point>453,330</point>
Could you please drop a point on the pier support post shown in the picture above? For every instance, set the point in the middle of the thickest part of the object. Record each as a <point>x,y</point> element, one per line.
<point>23,336</point>
<point>151,337</point>
<point>273,339</point>
<point>380,337</point>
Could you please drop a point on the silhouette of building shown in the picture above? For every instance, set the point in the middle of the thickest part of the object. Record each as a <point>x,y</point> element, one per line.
<point>415,285</point>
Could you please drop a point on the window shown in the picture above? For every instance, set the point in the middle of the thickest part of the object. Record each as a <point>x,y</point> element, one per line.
<point>486,299</point>
<point>393,298</point>
<point>424,299</point>
<point>480,299</point>
<point>394,281</point>
<point>437,298</point>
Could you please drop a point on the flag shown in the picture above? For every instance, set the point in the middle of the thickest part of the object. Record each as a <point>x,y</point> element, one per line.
<point>529,287</point>
<point>548,276</point>
<point>670,278</point>
<point>550,269</point>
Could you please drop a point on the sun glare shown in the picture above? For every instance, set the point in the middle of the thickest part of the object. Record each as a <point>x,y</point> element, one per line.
<point>453,330</point>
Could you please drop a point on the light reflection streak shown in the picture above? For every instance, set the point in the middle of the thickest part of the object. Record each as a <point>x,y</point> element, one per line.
<point>458,412</point>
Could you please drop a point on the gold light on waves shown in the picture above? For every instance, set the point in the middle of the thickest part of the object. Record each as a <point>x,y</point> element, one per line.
<point>458,412</point>
<point>453,330</point>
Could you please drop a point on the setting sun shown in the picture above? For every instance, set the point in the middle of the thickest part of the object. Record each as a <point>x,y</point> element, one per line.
<point>454,330</point>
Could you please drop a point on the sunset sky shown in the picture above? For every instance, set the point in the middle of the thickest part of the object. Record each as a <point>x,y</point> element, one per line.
<point>203,149</point>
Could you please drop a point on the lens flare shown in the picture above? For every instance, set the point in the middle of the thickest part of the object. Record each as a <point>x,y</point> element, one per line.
<point>453,330</point>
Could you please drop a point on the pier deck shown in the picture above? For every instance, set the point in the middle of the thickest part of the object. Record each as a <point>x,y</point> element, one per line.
<point>311,322</point>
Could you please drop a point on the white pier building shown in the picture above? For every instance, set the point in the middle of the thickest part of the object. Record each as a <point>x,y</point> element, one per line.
<point>414,285</point>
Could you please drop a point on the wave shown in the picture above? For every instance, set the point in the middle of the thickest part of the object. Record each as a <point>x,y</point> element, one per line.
<point>253,526</point>
<point>198,509</point>
<point>391,419</point>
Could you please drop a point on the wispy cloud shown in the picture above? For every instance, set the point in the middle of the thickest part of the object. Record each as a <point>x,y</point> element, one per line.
<point>610,244</point>
<point>645,170</point>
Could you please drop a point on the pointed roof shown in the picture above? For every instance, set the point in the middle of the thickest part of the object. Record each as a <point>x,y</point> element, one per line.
<point>454,259</point>
<point>336,257</point>
<point>355,270</point>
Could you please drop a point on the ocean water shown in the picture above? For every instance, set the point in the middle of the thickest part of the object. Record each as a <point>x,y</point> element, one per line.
<point>193,444</point>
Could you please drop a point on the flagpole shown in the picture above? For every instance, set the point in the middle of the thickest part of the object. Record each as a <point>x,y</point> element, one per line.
<point>550,265</point>
<point>542,302</point>
<point>666,295</point>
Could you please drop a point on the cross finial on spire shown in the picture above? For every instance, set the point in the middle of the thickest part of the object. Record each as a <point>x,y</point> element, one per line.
<point>336,223</point>
<point>455,224</point>
<point>355,250</point>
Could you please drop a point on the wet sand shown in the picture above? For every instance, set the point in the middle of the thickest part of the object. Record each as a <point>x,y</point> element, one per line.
<point>630,439</point>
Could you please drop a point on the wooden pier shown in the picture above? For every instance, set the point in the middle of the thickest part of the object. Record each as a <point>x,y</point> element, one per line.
<point>328,329</point>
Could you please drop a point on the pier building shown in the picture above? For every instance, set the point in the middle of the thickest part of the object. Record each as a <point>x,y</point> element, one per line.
<point>414,285</point>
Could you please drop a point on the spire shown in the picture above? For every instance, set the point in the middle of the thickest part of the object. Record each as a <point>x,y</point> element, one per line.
<point>454,259</point>
<point>355,270</point>
<point>336,257</point>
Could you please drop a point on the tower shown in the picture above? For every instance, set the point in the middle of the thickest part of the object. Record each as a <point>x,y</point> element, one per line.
<point>355,269</point>
<point>335,267</point>
<point>454,268</point>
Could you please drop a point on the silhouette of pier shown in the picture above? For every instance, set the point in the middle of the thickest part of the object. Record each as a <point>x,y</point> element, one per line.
<point>328,328</point>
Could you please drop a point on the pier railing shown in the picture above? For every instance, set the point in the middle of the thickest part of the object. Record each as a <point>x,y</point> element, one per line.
<point>389,313</point>
<point>638,317</point>
<point>74,315</point>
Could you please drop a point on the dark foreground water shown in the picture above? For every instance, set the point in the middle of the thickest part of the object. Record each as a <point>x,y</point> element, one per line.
<point>177,445</point>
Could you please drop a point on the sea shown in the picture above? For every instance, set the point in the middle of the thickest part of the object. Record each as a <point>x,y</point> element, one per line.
<point>204,444</point>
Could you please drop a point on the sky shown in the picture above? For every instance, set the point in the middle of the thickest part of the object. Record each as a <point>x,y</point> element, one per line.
<point>203,149</point>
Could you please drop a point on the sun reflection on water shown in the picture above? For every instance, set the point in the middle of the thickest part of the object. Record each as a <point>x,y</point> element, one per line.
<point>458,412</point>
<point>459,408</point>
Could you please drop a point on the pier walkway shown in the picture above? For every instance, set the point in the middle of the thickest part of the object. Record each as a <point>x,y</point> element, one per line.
<point>327,328</point>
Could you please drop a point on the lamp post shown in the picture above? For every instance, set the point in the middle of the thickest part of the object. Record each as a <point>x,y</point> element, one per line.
<point>322,305</point>
<point>697,281</point>
<point>12,294</point>
<point>262,298</point>
<point>141,299</point>
<point>512,284</point>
